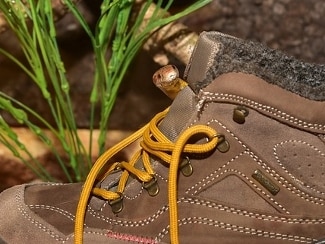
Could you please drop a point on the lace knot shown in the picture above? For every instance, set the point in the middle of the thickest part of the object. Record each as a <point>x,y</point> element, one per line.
<point>154,143</point>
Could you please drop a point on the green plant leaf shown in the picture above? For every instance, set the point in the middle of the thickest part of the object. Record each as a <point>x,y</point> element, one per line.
<point>118,36</point>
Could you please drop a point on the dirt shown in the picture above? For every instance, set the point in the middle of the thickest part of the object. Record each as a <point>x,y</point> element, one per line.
<point>295,27</point>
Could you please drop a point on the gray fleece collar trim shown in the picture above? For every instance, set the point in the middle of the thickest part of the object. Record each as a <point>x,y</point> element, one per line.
<point>223,54</point>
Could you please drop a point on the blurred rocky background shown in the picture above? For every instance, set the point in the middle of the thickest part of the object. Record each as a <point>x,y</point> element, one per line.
<point>295,26</point>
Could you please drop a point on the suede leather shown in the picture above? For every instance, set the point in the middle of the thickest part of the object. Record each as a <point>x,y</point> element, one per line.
<point>282,139</point>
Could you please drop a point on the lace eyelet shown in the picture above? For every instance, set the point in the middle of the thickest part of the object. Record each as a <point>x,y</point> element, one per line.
<point>117,204</point>
<point>186,167</point>
<point>210,138</point>
<point>152,186</point>
<point>223,145</point>
<point>239,114</point>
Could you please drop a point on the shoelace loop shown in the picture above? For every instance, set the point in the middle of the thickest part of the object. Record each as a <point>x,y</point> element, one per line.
<point>154,143</point>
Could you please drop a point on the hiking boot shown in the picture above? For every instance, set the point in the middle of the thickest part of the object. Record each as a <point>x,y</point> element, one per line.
<point>239,157</point>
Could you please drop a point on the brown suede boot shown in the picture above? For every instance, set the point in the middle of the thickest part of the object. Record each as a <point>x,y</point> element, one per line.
<point>238,158</point>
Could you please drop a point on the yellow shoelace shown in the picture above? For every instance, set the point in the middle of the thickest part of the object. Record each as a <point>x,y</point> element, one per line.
<point>154,143</point>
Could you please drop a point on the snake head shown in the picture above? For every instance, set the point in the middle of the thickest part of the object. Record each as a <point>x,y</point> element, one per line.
<point>165,76</point>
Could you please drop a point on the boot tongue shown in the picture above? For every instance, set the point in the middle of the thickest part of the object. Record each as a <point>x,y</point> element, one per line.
<point>179,114</point>
<point>176,120</point>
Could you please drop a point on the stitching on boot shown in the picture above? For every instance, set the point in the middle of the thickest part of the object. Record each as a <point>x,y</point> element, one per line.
<point>287,184</point>
<point>226,164</point>
<point>218,173</point>
<point>201,182</point>
<point>270,171</point>
<point>86,232</point>
<point>131,238</point>
<point>283,167</point>
<point>274,218</point>
<point>141,190</point>
<point>23,211</point>
<point>55,209</point>
<point>126,223</point>
<point>240,229</point>
<point>209,97</point>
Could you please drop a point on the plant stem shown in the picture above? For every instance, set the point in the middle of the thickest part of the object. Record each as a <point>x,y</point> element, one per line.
<point>117,38</point>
